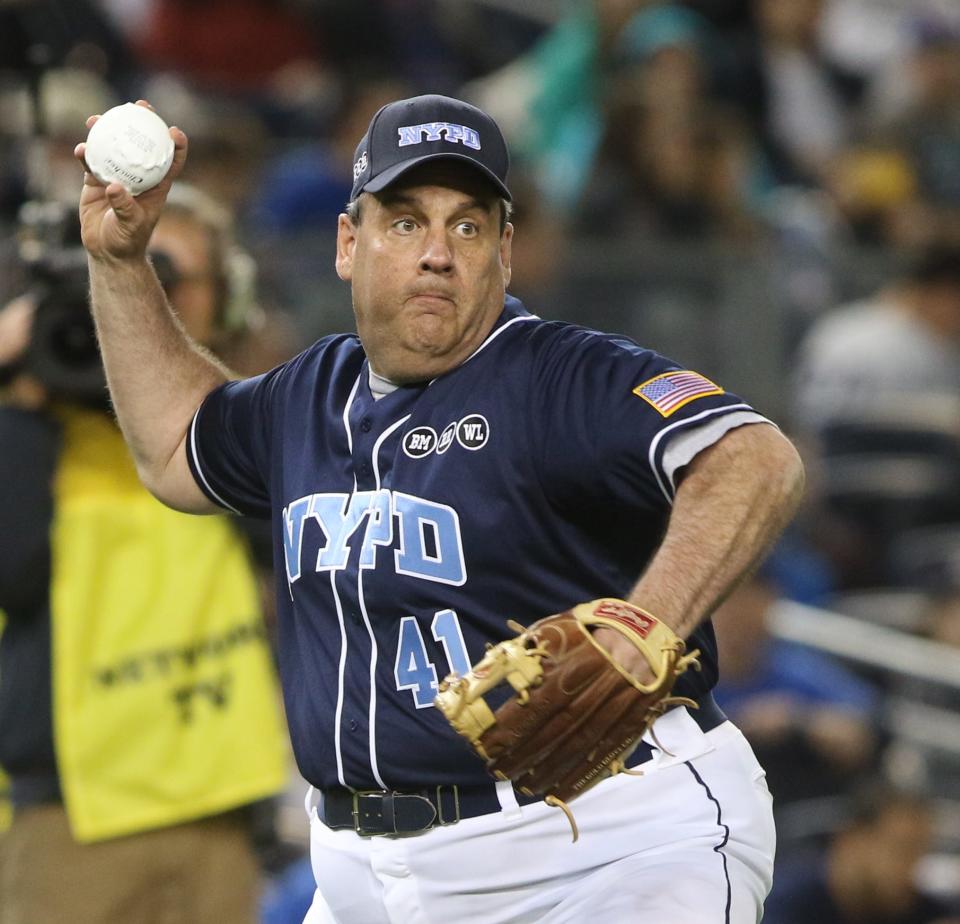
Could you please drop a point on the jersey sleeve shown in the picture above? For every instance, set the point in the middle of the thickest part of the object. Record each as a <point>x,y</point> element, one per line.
<point>229,445</point>
<point>619,421</point>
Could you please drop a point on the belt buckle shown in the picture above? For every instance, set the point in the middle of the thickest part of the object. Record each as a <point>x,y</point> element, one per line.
<point>358,825</point>
<point>364,831</point>
<point>443,822</point>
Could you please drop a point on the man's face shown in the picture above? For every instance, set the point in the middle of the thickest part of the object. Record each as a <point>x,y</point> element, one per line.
<point>893,847</point>
<point>428,268</point>
<point>194,293</point>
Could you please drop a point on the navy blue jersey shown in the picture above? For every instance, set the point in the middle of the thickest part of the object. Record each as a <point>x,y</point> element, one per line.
<point>536,475</point>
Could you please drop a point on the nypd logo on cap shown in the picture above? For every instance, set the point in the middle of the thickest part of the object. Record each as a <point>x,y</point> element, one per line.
<point>409,132</point>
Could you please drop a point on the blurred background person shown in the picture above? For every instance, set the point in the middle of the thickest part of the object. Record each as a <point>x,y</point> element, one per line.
<point>550,99</point>
<point>900,345</point>
<point>813,723</point>
<point>139,710</point>
<point>673,163</point>
<point>806,100</point>
<point>868,872</point>
<point>877,392</point>
<point>921,125</point>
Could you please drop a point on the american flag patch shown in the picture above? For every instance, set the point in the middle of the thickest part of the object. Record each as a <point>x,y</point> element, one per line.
<point>670,391</point>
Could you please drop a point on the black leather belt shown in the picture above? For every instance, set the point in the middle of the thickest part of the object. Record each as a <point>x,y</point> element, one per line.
<point>373,812</point>
<point>407,812</point>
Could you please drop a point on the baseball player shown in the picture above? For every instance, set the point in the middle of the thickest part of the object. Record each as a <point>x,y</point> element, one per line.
<point>459,463</point>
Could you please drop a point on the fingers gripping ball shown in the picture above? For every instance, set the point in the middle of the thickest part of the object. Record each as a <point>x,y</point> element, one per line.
<point>129,144</point>
<point>574,714</point>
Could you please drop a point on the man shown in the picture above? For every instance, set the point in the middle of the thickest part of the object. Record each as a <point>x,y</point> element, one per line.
<point>459,464</point>
<point>811,721</point>
<point>877,391</point>
<point>139,714</point>
<point>868,873</point>
<point>893,356</point>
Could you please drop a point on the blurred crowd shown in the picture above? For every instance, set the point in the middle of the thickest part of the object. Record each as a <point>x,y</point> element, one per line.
<point>766,190</point>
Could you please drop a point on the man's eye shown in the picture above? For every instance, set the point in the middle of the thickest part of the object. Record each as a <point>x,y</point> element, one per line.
<point>468,228</point>
<point>405,225</point>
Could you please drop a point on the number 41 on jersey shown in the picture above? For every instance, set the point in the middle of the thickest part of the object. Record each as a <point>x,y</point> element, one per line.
<point>414,670</point>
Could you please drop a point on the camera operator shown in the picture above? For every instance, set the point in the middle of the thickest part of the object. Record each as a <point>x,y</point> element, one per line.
<point>139,714</point>
<point>15,324</point>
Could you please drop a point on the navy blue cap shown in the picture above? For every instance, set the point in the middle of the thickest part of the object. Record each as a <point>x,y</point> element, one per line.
<point>413,131</point>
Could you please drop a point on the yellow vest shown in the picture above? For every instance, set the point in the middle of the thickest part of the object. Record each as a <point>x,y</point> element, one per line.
<point>166,705</point>
<point>6,810</point>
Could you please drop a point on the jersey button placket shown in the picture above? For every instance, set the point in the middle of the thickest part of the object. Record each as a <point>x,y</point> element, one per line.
<point>363,453</point>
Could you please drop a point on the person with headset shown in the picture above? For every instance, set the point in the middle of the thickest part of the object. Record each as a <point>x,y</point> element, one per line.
<point>139,710</point>
<point>209,277</point>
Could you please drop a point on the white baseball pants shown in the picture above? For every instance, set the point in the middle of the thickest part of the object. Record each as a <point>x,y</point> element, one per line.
<point>690,842</point>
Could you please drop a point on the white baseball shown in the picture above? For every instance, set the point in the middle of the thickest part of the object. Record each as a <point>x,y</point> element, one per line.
<point>130,144</point>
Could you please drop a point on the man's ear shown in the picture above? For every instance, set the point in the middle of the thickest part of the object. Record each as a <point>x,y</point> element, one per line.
<point>346,243</point>
<point>506,253</point>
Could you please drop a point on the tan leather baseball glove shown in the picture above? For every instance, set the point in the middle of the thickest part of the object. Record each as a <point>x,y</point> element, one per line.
<point>574,714</point>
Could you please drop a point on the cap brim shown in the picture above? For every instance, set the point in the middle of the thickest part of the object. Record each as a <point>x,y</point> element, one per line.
<point>392,174</point>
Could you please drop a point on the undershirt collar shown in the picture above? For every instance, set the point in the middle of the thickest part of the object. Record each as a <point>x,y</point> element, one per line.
<point>379,386</point>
